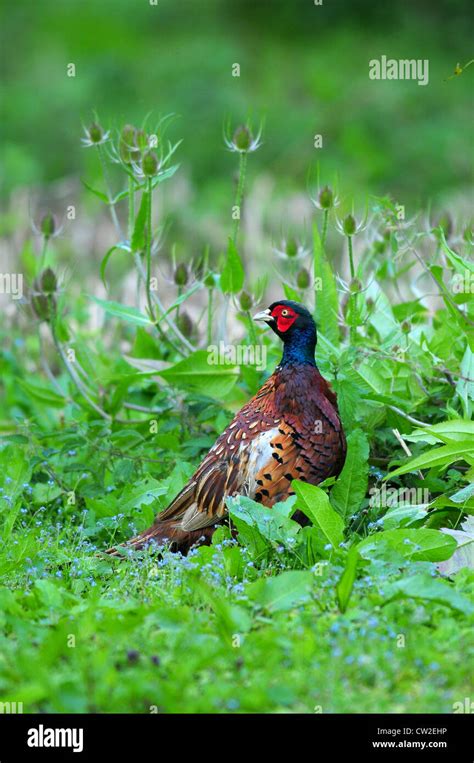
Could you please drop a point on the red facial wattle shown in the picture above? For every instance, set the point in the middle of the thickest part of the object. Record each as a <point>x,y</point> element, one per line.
<point>285,317</point>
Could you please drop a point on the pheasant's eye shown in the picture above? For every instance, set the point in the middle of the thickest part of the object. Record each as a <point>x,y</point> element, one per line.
<point>284,312</point>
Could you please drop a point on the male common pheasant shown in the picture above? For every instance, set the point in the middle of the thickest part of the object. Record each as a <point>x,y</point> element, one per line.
<point>289,430</point>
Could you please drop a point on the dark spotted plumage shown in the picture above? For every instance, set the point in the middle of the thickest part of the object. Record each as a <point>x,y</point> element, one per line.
<point>289,430</point>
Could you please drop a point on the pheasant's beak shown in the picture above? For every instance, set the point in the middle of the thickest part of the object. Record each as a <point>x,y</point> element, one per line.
<point>264,315</point>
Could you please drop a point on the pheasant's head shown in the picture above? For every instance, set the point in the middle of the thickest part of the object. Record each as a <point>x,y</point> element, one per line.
<point>294,324</point>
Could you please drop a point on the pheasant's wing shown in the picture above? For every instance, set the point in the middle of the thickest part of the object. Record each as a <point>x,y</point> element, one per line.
<point>225,469</point>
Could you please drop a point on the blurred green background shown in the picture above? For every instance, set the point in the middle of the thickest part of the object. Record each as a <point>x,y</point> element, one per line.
<point>304,70</point>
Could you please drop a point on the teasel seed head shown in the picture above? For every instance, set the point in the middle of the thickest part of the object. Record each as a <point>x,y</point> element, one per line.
<point>181,274</point>
<point>303,279</point>
<point>150,164</point>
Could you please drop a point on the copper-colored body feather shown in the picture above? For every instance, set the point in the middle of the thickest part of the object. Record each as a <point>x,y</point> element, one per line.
<point>289,430</point>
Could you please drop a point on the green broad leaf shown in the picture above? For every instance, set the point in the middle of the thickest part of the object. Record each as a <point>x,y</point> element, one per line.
<point>138,235</point>
<point>454,429</point>
<point>425,588</point>
<point>326,301</point>
<point>314,503</point>
<point>346,581</point>
<point>273,524</point>
<point>202,373</point>
<point>103,264</point>
<point>447,454</point>
<point>349,396</point>
<point>283,592</point>
<point>251,537</point>
<point>42,394</point>
<point>129,314</point>
<point>351,485</point>
<point>421,544</point>
<point>233,275</point>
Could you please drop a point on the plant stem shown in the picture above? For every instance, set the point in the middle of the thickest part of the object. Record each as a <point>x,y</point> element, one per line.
<point>325,228</point>
<point>131,208</point>
<point>353,315</point>
<point>235,232</point>
<point>44,249</point>
<point>407,416</point>
<point>180,291</point>
<point>209,316</point>
<point>353,296</point>
<point>148,250</point>
<point>240,193</point>
<point>351,257</point>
